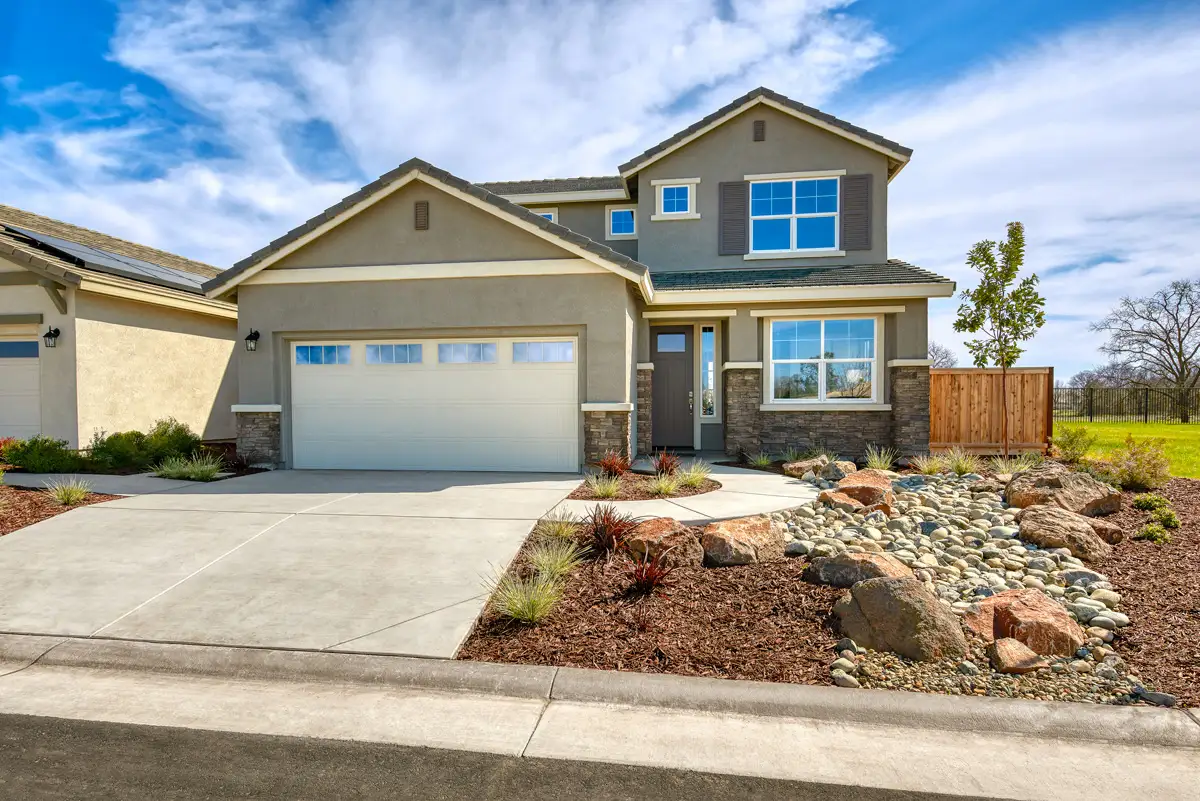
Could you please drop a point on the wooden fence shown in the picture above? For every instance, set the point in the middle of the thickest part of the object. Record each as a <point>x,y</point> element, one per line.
<point>965,409</point>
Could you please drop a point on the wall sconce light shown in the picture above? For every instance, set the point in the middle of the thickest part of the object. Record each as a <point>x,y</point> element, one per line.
<point>51,337</point>
<point>252,341</point>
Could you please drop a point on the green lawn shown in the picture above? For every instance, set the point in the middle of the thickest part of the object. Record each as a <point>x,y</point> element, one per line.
<point>1183,441</point>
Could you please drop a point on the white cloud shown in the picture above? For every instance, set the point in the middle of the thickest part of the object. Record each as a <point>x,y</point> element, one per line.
<point>1090,140</point>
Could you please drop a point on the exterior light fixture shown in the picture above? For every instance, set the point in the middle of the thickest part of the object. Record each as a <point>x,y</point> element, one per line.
<point>252,341</point>
<point>51,337</point>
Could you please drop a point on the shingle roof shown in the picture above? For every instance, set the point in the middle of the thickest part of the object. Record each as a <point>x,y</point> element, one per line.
<point>585,184</point>
<point>424,167</point>
<point>893,271</point>
<point>85,236</point>
<point>763,92</point>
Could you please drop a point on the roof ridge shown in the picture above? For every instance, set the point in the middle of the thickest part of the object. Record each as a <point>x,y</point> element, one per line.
<point>40,223</point>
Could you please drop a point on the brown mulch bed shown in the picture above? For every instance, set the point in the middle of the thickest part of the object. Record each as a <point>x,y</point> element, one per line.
<point>636,487</point>
<point>1160,591</point>
<point>20,507</point>
<point>757,622</point>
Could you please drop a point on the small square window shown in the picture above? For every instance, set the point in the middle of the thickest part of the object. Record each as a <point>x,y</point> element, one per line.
<point>671,343</point>
<point>622,223</point>
<point>676,199</point>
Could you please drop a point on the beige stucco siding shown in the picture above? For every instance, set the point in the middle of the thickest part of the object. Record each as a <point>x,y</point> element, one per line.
<point>728,153</point>
<point>589,219</point>
<point>57,365</point>
<point>385,234</point>
<point>138,363</point>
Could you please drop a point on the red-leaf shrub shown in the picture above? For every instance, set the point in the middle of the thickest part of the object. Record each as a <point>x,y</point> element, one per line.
<point>607,528</point>
<point>647,574</point>
<point>613,464</point>
<point>666,463</point>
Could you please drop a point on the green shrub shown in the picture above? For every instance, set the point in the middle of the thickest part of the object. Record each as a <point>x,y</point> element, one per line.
<point>169,437</point>
<point>603,486</point>
<point>202,467</point>
<point>1148,502</point>
<point>120,451</point>
<point>561,525</point>
<point>792,454</point>
<point>1073,443</point>
<point>42,454</point>
<point>1014,463</point>
<point>68,491</point>
<point>664,485</point>
<point>928,465</point>
<point>1141,464</point>
<point>961,462</point>
<point>527,600</point>
<point>759,460</point>
<point>554,559</point>
<point>881,458</point>
<point>1165,518</point>
<point>1155,532</point>
<point>694,475</point>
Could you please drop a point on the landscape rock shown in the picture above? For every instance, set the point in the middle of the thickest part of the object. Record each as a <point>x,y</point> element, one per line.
<point>741,541</point>
<point>847,467</point>
<point>800,468</point>
<point>1013,656</point>
<point>1107,530</point>
<point>833,471</point>
<point>843,679</point>
<point>901,615</point>
<point>665,535</point>
<point>868,487</point>
<point>1029,616</point>
<point>1054,483</point>
<point>847,569</point>
<point>1054,527</point>
<point>840,500</point>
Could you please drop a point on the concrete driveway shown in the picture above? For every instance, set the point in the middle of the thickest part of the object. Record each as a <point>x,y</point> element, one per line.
<point>383,562</point>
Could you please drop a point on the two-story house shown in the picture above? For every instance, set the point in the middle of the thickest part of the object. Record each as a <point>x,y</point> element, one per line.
<point>729,290</point>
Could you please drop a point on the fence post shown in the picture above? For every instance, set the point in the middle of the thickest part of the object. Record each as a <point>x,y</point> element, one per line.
<point>1091,394</point>
<point>1146,414</point>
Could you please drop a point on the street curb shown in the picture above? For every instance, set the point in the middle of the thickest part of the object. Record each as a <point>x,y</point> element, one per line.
<point>1138,726</point>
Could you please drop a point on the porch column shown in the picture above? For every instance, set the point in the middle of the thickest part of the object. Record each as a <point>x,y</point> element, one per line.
<point>645,408</point>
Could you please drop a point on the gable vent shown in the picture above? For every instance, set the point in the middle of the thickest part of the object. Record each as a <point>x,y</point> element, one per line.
<point>421,215</point>
<point>760,130</point>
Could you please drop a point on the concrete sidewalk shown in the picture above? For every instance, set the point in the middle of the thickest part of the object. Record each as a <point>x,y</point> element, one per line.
<point>972,747</point>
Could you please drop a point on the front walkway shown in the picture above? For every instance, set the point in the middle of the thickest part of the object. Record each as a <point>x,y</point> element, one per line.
<point>137,484</point>
<point>743,492</point>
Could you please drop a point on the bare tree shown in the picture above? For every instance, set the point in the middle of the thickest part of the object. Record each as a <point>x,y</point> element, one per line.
<point>1158,338</point>
<point>1113,374</point>
<point>941,355</point>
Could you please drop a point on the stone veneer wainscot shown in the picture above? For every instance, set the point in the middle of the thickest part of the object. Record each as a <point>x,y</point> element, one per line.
<point>259,438</point>
<point>604,431</point>
<point>645,406</point>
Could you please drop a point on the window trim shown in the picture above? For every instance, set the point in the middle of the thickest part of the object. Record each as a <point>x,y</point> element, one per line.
<point>608,212</point>
<point>876,401</point>
<point>692,186</point>
<point>552,211</point>
<point>792,252</point>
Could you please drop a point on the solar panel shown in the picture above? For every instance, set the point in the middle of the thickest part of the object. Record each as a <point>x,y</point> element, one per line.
<point>116,264</point>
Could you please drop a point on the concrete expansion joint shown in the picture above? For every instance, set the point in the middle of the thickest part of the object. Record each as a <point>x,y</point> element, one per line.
<point>1191,715</point>
<point>541,713</point>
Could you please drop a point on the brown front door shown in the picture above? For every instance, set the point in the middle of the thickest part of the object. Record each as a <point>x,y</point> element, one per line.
<point>674,385</point>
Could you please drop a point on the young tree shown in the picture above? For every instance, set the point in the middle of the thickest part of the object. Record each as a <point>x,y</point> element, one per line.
<point>1002,314</point>
<point>941,356</point>
<point>1157,338</point>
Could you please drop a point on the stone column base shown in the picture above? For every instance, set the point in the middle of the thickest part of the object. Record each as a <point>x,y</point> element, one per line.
<point>910,410</point>
<point>605,431</point>
<point>259,438</point>
<point>645,409</point>
<point>743,394</point>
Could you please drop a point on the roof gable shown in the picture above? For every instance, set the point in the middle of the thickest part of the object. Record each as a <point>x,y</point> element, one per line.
<point>897,154</point>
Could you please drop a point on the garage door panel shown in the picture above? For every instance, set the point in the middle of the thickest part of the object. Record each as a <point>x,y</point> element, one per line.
<point>20,397</point>
<point>433,416</point>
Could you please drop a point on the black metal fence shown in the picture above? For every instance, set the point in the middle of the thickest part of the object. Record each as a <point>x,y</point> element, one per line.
<point>1126,405</point>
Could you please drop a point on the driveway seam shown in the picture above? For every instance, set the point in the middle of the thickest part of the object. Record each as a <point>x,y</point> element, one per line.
<point>408,620</point>
<point>36,659</point>
<point>541,712</point>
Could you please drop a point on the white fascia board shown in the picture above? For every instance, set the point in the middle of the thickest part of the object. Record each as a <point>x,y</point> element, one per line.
<point>683,297</point>
<point>582,196</point>
<point>825,312</point>
<point>158,296</point>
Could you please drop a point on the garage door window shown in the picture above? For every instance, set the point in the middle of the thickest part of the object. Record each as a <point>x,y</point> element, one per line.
<point>322,354</point>
<point>467,353</point>
<point>394,354</point>
<point>543,352</point>
<point>18,350</point>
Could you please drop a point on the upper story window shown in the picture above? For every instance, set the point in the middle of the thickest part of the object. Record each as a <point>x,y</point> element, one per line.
<point>621,222</point>
<point>549,214</point>
<point>823,360</point>
<point>675,199</point>
<point>794,215</point>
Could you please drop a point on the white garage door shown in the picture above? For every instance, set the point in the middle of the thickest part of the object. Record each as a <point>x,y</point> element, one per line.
<point>482,404</point>
<point>20,389</point>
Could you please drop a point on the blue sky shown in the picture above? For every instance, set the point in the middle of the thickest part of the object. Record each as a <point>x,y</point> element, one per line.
<point>209,127</point>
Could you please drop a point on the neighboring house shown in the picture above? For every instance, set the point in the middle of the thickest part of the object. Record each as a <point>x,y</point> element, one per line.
<point>136,341</point>
<point>729,290</point>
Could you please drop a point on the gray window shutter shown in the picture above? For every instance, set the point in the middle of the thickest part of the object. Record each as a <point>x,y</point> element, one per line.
<point>733,235</point>
<point>856,212</point>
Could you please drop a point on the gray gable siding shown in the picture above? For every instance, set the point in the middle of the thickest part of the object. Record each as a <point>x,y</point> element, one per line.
<point>728,153</point>
<point>587,218</point>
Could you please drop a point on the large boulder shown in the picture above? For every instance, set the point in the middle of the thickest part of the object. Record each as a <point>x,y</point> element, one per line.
<point>868,487</point>
<point>1107,530</point>
<point>847,569</point>
<point>804,466</point>
<point>1055,484</point>
<point>741,541</point>
<point>666,537</point>
<point>840,500</point>
<point>1053,527</point>
<point>1029,616</point>
<point>899,614</point>
<point>1013,656</point>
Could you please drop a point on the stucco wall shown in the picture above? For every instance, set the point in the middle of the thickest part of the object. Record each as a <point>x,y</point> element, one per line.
<point>589,219</point>
<point>57,365</point>
<point>138,363</point>
<point>385,234</point>
<point>728,153</point>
